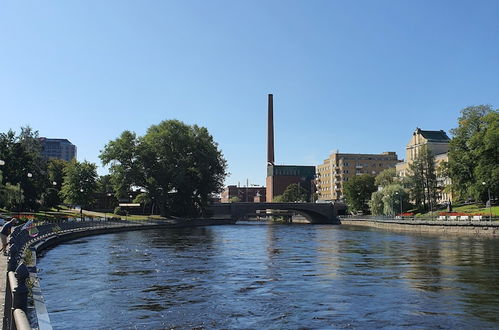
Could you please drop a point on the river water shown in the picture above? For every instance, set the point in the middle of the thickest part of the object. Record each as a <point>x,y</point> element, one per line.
<point>267,276</point>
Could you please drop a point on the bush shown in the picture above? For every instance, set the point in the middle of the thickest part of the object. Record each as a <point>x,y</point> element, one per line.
<point>119,211</point>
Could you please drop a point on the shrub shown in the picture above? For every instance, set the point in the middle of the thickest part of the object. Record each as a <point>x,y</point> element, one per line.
<point>119,211</point>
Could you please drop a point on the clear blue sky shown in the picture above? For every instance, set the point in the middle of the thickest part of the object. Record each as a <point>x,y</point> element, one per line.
<point>357,76</point>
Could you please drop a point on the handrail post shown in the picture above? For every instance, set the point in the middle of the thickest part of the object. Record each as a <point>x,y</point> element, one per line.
<point>19,293</point>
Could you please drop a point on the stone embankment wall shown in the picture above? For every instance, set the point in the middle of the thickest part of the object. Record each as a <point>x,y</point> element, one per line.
<point>476,228</point>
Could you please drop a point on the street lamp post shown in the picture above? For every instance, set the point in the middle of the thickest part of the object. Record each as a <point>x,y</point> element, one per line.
<point>54,183</point>
<point>29,175</point>
<point>393,207</point>
<point>81,205</point>
<point>400,199</point>
<point>489,201</point>
<point>107,205</point>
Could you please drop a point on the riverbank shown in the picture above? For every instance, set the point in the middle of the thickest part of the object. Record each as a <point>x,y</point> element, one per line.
<point>475,228</point>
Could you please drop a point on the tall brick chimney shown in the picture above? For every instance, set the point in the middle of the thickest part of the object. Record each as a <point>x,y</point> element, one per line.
<point>270,132</point>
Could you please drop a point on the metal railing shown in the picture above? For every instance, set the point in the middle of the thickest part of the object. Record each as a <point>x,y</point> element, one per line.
<point>20,240</point>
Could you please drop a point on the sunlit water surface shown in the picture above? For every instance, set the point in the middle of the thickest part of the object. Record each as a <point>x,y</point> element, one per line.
<point>261,276</point>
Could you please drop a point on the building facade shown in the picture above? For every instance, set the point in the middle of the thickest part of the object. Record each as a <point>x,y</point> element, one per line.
<point>340,167</point>
<point>438,143</point>
<point>243,194</point>
<point>279,177</point>
<point>58,149</point>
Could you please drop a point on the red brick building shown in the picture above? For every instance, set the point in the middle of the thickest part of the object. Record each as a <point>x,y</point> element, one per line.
<point>244,194</point>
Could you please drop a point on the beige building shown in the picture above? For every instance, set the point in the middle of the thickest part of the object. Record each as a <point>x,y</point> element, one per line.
<point>339,168</point>
<point>438,143</point>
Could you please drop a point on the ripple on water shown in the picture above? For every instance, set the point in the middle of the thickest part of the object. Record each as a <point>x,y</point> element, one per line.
<point>272,277</point>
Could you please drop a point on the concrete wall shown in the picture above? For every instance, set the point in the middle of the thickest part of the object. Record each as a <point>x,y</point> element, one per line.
<point>476,228</point>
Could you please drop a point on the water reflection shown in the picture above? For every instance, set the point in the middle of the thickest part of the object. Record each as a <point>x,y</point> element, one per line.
<point>272,276</point>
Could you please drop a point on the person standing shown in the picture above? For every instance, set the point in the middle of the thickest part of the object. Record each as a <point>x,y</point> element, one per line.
<point>5,232</point>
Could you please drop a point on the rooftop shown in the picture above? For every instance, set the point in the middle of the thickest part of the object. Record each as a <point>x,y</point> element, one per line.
<point>433,135</point>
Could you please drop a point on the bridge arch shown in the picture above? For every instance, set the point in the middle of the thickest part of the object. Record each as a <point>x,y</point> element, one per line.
<point>315,212</point>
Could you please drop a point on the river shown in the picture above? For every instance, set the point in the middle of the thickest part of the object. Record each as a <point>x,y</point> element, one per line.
<point>269,276</point>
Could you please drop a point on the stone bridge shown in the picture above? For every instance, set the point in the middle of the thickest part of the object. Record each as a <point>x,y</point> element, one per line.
<point>314,212</point>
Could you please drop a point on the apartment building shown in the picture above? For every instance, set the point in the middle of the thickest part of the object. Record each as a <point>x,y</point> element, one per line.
<point>340,167</point>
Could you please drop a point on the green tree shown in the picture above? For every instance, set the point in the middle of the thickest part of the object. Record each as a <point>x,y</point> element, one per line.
<point>466,150</point>
<point>358,191</point>
<point>395,199</point>
<point>105,184</point>
<point>126,166</point>
<point>234,199</point>
<point>10,195</point>
<point>376,204</point>
<point>24,165</point>
<point>422,180</point>
<point>179,166</point>
<point>293,193</point>
<point>80,183</point>
<point>55,171</point>
<point>386,177</point>
<point>486,149</point>
<point>51,198</point>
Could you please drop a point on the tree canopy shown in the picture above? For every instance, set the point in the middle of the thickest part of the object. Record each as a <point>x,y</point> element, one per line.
<point>422,180</point>
<point>293,193</point>
<point>358,191</point>
<point>474,153</point>
<point>386,177</point>
<point>80,183</point>
<point>24,167</point>
<point>179,166</point>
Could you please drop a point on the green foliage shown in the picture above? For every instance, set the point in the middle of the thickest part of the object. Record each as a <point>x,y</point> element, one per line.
<point>55,171</point>
<point>80,183</point>
<point>474,153</point>
<point>278,199</point>
<point>395,199</point>
<point>119,211</point>
<point>376,204</point>
<point>293,193</point>
<point>422,180</point>
<point>21,154</point>
<point>386,177</point>
<point>179,166</point>
<point>486,150</point>
<point>234,199</point>
<point>50,198</point>
<point>104,184</point>
<point>391,200</point>
<point>122,155</point>
<point>358,191</point>
<point>10,195</point>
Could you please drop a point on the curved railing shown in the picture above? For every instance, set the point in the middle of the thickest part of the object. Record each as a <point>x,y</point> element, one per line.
<point>24,242</point>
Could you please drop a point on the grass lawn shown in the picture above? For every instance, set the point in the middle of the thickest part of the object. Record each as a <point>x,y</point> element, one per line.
<point>474,209</point>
